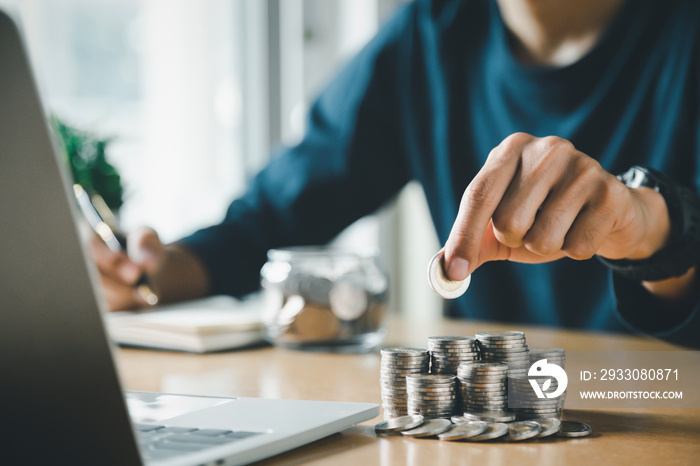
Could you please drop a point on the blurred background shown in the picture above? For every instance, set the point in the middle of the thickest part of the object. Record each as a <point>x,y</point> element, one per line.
<point>196,95</point>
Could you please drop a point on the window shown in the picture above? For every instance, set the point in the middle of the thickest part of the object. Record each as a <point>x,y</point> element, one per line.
<point>161,78</point>
<point>195,93</point>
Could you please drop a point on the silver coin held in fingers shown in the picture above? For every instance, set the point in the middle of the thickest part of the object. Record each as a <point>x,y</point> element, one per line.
<point>440,283</point>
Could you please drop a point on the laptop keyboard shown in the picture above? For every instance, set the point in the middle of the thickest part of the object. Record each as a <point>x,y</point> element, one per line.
<point>161,442</point>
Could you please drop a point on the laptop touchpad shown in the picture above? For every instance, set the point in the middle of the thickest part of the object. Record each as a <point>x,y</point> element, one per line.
<point>147,407</point>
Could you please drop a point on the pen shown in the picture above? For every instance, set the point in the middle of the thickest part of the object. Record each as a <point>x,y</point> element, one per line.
<point>114,241</point>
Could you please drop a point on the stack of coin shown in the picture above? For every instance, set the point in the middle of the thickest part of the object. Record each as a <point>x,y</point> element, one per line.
<point>447,353</point>
<point>505,346</point>
<point>396,364</point>
<point>483,386</point>
<point>552,355</point>
<point>524,402</point>
<point>432,396</point>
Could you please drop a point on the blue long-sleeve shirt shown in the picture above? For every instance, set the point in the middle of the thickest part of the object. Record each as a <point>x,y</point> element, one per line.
<point>428,98</point>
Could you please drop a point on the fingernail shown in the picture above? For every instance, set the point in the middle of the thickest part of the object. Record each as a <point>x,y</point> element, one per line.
<point>129,272</point>
<point>141,254</point>
<point>458,269</point>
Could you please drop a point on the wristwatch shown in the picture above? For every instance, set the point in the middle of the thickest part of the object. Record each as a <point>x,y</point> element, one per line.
<point>682,250</point>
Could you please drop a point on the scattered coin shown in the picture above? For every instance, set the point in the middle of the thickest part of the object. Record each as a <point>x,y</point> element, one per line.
<point>428,428</point>
<point>398,424</point>
<point>464,430</point>
<point>440,283</point>
<point>494,430</point>
<point>549,427</point>
<point>487,416</point>
<point>574,429</point>
<point>537,417</point>
<point>523,430</point>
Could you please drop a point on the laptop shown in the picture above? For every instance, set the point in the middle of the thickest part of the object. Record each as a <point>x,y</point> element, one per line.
<point>60,396</point>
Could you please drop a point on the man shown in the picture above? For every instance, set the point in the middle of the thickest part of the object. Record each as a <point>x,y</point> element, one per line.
<point>524,110</point>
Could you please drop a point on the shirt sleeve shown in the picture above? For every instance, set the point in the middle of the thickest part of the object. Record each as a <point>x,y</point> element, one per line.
<point>350,161</point>
<point>642,312</point>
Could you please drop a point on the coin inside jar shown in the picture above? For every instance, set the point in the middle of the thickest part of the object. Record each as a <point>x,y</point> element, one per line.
<point>324,299</point>
<point>440,283</point>
<point>315,323</point>
<point>348,301</point>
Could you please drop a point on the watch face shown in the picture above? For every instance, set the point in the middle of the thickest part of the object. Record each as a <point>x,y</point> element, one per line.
<point>634,178</point>
<point>683,249</point>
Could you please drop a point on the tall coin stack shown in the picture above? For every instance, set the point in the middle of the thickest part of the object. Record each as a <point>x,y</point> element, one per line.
<point>447,353</point>
<point>396,364</point>
<point>523,399</point>
<point>552,355</point>
<point>432,396</point>
<point>505,346</point>
<point>483,386</point>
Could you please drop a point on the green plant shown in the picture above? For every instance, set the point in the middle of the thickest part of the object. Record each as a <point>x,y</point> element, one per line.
<point>85,154</point>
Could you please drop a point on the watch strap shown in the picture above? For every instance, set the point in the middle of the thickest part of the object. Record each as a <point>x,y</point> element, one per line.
<point>682,250</point>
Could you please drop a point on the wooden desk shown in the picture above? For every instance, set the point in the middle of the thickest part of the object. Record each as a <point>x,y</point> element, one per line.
<point>648,436</point>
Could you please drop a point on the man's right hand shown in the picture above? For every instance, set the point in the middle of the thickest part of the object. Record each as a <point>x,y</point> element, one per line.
<point>120,271</point>
<point>174,273</point>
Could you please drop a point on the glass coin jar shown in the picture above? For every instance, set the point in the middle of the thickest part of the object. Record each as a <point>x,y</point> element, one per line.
<point>324,299</point>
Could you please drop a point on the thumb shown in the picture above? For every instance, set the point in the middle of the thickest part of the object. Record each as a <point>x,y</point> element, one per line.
<point>456,265</point>
<point>145,248</point>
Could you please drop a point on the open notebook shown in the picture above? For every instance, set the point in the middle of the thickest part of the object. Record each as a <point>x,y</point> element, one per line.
<point>211,324</point>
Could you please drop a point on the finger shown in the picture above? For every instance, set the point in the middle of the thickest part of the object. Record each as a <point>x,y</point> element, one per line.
<point>494,250</point>
<point>491,248</point>
<point>557,215</point>
<point>545,164</point>
<point>522,254</point>
<point>120,296</point>
<point>599,216</point>
<point>588,232</point>
<point>115,265</point>
<point>478,204</point>
<point>145,248</point>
